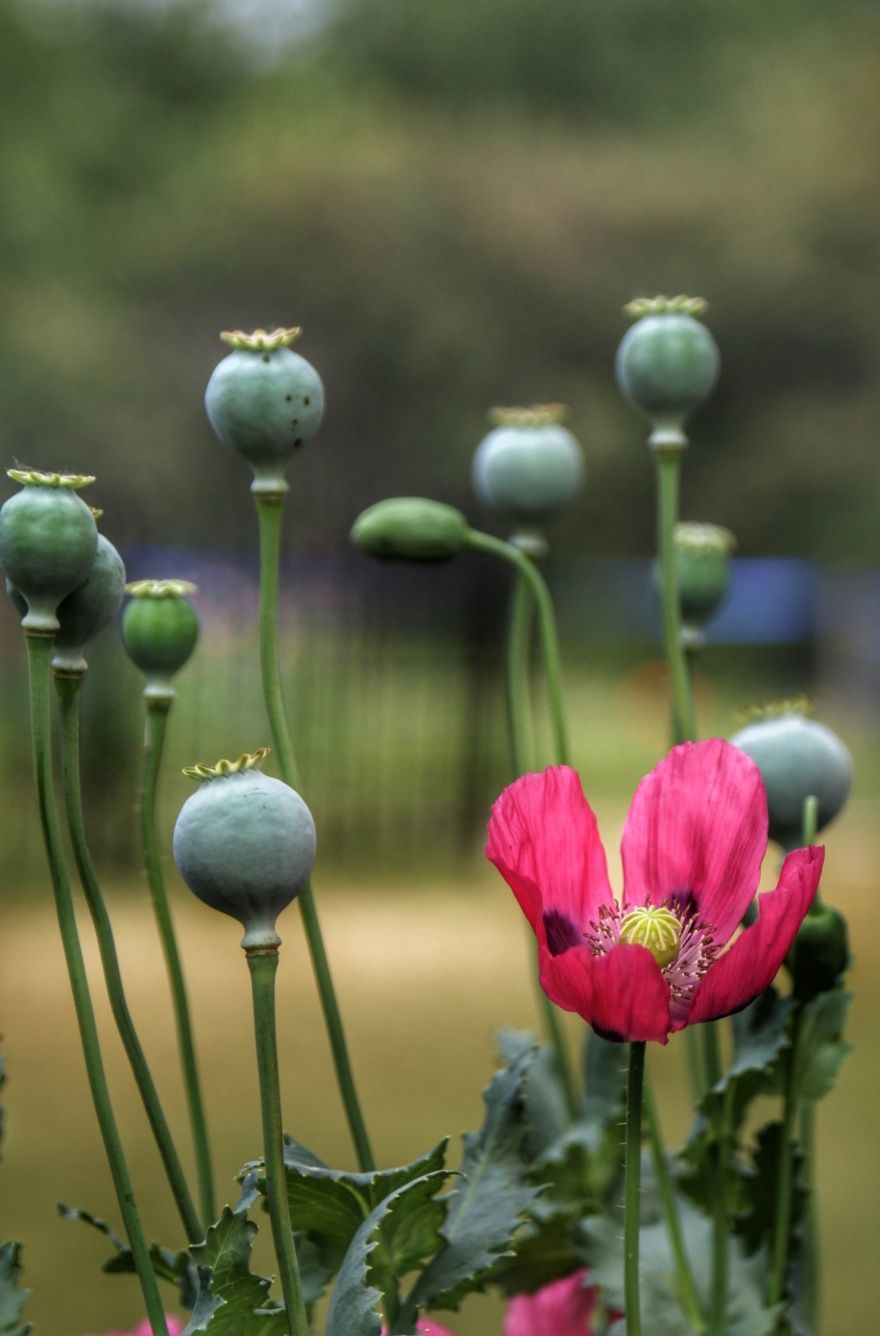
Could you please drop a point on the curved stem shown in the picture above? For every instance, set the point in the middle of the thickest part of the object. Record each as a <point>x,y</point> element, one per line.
<point>546,629</point>
<point>269,510</point>
<point>68,689</point>
<point>687,1289</point>
<point>154,743</point>
<point>668,468</point>
<point>39,656</point>
<point>263,965</point>
<point>631,1188</point>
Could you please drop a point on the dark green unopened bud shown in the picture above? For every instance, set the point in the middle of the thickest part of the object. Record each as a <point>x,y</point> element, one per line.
<point>668,362</point>
<point>159,631</point>
<point>48,540</point>
<point>411,528</point>
<point>530,467</point>
<point>797,757</point>
<point>245,844</point>
<point>90,608</point>
<point>264,401</point>
<point>820,955</point>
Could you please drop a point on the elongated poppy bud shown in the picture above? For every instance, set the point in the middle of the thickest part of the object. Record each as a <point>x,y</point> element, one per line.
<point>668,362</point>
<point>48,541</point>
<point>411,528</point>
<point>159,631</point>
<point>820,954</point>
<point>264,401</point>
<point>244,843</point>
<point>529,467</point>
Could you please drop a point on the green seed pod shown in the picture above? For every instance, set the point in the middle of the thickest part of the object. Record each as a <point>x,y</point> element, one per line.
<point>264,401</point>
<point>90,608</point>
<point>529,467</point>
<point>410,528</point>
<point>703,569</point>
<point>668,362</point>
<point>159,631</point>
<point>797,757</point>
<point>244,844</point>
<point>48,541</point>
<point>820,955</point>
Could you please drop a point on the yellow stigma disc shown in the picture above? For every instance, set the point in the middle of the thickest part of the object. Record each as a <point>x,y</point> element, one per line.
<point>657,929</point>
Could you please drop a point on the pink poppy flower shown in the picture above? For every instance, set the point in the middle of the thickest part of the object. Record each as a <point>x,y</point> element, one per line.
<point>563,1308</point>
<point>692,848</point>
<point>175,1328</point>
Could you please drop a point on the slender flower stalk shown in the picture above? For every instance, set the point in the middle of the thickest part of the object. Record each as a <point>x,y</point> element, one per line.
<point>68,690</point>
<point>684,1276</point>
<point>39,655</point>
<point>631,1189</point>
<point>154,742</point>
<point>668,446</point>
<point>485,542</point>
<point>518,720</point>
<point>263,963</point>
<point>269,511</point>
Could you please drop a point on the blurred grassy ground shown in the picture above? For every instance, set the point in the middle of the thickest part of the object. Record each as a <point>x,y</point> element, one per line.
<point>426,973</point>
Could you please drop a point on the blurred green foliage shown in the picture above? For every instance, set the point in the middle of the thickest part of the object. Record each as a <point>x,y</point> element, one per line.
<point>455,201</point>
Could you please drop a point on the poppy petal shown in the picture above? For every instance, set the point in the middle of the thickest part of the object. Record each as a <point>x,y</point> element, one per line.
<point>563,1308</point>
<point>544,841</point>
<point>697,832</point>
<point>622,994</point>
<point>753,961</point>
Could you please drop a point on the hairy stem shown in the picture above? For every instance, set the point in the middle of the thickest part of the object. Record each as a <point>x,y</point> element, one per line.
<point>269,511</point>
<point>684,1276</point>
<point>631,1188</point>
<point>39,656</point>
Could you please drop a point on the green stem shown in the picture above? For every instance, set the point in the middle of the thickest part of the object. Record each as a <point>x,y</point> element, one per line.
<point>269,510</point>
<point>518,638</point>
<point>39,656</point>
<point>263,964</point>
<point>631,1188</point>
<point>784,1183</point>
<point>812,1242</point>
<point>686,1285</point>
<point>668,468</point>
<point>718,1303</point>
<point>154,744</point>
<point>68,689</point>
<point>485,542</point>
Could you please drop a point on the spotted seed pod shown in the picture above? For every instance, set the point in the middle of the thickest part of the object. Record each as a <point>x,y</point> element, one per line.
<point>159,631</point>
<point>264,401</point>
<point>410,528</point>
<point>48,541</point>
<point>245,844</point>
<point>668,362</point>
<point>798,757</point>
<point>90,608</point>
<point>529,467</point>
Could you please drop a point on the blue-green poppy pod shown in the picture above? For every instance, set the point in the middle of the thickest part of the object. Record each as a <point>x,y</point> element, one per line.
<point>411,528</point>
<point>48,541</point>
<point>798,758</point>
<point>244,843</point>
<point>89,609</point>
<point>264,401</point>
<point>529,467</point>
<point>668,362</point>
<point>159,631</point>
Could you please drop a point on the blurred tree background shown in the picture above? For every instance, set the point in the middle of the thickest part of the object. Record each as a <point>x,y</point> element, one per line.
<point>454,201</point>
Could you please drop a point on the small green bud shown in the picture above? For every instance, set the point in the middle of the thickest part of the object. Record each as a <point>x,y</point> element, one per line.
<point>48,541</point>
<point>245,844</point>
<point>159,632</point>
<point>668,362</point>
<point>797,757</point>
<point>264,401</point>
<point>530,467</point>
<point>410,528</point>
<point>90,608</point>
<point>820,955</point>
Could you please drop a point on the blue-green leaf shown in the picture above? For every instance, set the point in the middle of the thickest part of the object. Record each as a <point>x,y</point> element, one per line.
<point>232,1301</point>
<point>821,1050</point>
<point>12,1297</point>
